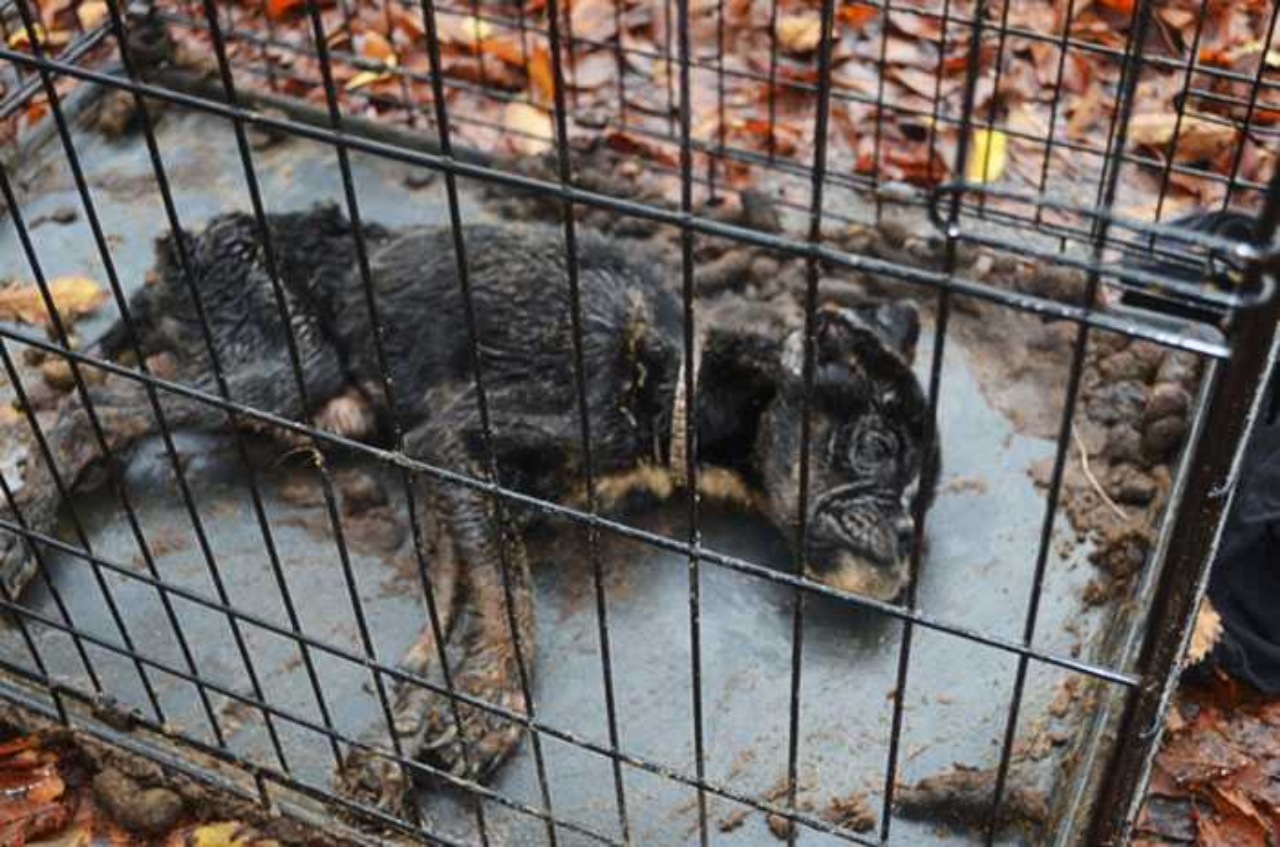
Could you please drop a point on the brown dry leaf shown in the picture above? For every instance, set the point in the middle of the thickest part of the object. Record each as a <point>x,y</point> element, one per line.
<point>799,33</point>
<point>1205,634</point>
<point>593,20</point>
<point>594,70</point>
<point>1198,138</point>
<point>625,142</point>
<point>1177,18</point>
<point>505,49</point>
<point>531,128</point>
<point>73,297</point>
<point>462,30</point>
<point>1232,803</point>
<point>91,13</point>
<point>1221,831</point>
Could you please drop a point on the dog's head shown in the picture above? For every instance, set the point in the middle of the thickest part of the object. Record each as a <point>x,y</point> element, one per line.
<point>867,447</point>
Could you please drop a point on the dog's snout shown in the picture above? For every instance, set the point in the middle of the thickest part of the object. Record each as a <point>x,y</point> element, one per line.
<point>904,529</point>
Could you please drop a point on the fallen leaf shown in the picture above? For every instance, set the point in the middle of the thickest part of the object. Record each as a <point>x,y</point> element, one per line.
<point>1205,633</point>
<point>594,70</point>
<point>222,834</point>
<point>374,46</point>
<point>505,49</point>
<point>1177,18</point>
<point>18,39</point>
<point>91,13</point>
<point>799,33</point>
<point>1220,831</point>
<point>857,16</point>
<point>462,30</point>
<point>988,155</point>
<point>541,76</point>
<point>73,297</point>
<point>593,20</point>
<point>365,78</point>
<point>280,9</point>
<point>1198,138</point>
<point>1124,7</point>
<point>530,127</point>
<point>625,142</point>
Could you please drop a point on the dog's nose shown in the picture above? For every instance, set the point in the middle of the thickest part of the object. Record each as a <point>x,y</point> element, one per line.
<point>904,529</point>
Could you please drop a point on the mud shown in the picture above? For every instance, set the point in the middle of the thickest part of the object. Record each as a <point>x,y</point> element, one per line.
<point>851,812</point>
<point>150,811</point>
<point>963,798</point>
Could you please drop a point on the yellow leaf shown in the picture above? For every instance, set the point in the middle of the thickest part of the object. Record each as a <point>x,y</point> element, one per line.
<point>531,130</point>
<point>988,156</point>
<point>91,13</point>
<point>364,78</point>
<point>799,33</point>
<point>73,297</point>
<point>223,834</point>
<point>18,38</point>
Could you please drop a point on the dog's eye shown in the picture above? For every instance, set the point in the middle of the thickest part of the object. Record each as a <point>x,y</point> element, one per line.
<point>872,447</point>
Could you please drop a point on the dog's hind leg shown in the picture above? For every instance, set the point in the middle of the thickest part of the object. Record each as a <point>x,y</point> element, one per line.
<point>491,643</point>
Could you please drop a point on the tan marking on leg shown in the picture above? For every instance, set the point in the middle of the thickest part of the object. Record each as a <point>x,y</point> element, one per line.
<point>348,415</point>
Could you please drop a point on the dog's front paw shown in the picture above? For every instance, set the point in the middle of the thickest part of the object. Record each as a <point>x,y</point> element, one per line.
<point>17,565</point>
<point>479,739</point>
<point>371,779</point>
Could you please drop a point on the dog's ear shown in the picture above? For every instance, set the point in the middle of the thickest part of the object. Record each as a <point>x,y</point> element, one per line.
<point>896,322</point>
<point>168,261</point>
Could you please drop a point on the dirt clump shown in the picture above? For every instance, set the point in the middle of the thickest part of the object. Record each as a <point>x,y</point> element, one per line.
<point>962,797</point>
<point>151,811</point>
<point>851,811</point>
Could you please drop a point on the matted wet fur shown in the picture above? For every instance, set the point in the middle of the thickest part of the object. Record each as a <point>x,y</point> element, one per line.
<point>868,421</point>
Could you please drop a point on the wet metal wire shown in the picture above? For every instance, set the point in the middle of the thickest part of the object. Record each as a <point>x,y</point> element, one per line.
<point>953,208</point>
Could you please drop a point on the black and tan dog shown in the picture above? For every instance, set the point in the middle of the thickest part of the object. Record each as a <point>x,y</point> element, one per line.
<point>868,412</point>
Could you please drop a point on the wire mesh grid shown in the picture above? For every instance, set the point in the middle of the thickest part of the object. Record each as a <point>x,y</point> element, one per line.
<point>670,100</point>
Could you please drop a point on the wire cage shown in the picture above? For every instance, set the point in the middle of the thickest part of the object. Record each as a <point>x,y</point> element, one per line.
<point>1023,171</point>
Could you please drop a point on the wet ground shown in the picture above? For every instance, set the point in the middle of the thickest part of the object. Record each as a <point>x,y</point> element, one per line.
<point>982,540</point>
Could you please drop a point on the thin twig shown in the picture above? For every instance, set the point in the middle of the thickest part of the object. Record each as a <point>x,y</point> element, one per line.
<point>1093,480</point>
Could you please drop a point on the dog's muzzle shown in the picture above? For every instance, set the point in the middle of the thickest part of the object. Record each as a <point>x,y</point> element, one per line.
<point>860,544</point>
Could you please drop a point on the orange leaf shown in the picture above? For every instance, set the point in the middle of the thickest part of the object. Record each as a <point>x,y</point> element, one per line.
<point>278,9</point>
<point>506,49</point>
<point>541,77</point>
<point>374,45</point>
<point>857,16</point>
<point>1124,7</point>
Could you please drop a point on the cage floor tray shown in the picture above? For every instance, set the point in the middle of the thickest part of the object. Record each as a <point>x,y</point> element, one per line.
<point>982,540</point>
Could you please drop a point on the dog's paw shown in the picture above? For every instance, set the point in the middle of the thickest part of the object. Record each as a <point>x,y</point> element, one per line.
<point>373,780</point>
<point>474,743</point>
<point>17,566</point>
<point>348,415</point>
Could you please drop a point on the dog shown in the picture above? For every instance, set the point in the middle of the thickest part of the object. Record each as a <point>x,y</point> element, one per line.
<point>873,461</point>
